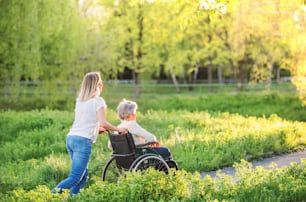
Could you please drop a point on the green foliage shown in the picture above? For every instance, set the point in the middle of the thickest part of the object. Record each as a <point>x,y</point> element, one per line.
<point>286,106</point>
<point>209,142</point>
<point>262,184</point>
<point>32,134</point>
<point>19,49</point>
<point>287,184</point>
<point>46,41</point>
<point>28,174</point>
<point>201,135</point>
<point>39,39</point>
<point>275,99</point>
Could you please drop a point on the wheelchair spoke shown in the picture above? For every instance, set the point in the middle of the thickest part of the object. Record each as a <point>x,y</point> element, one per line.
<point>151,161</point>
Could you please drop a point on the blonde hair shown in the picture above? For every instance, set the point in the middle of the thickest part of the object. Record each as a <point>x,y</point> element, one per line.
<point>125,108</point>
<point>89,86</point>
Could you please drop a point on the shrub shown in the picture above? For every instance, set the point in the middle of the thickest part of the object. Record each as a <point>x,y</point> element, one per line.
<point>286,184</point>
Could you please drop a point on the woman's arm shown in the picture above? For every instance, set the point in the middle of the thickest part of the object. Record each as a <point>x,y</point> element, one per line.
<point>101,116</point>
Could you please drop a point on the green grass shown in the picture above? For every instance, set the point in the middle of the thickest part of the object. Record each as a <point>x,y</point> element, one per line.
<point>203,133</point>
<point>287,184</point>
<point>268,99</point>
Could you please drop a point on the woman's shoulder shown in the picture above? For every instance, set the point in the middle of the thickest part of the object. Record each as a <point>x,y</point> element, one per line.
<point>99,100</point>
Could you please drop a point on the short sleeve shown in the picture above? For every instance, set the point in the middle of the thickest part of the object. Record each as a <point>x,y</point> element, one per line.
<point>100,103</point>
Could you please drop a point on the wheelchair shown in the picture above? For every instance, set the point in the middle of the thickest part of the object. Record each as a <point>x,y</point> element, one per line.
<point>127,156</point>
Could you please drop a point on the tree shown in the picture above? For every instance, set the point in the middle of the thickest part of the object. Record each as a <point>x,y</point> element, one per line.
<point>128,25</point>
<point>152,36</point>
<point>296,38</point>
<point>181,33</point>
<point>100,50</point>
<point>62,39</point>
<point>207,38</point>
<point>20,43</point>
<point>40,40</point>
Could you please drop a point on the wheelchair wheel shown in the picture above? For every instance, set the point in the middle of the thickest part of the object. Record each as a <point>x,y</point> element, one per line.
<point>111,172</point>
<point>150,161</point>
<point>172,164</point>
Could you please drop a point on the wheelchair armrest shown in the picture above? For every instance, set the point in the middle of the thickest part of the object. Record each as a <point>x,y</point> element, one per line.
<point>145,144</point>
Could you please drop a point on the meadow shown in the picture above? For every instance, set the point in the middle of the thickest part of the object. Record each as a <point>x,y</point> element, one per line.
<point>203,132</point>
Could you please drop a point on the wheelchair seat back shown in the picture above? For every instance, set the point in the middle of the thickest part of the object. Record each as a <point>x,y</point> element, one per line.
<point>123,149</point>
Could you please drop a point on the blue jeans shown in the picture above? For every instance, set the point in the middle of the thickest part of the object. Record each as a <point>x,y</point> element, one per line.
<point>79,149</point>
<point>163,151</point>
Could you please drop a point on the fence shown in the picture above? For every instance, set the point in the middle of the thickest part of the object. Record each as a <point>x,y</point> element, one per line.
<point>61,95</point>
<point>126,88</point>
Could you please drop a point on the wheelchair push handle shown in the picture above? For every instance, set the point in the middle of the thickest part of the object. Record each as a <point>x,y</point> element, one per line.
<point>116,132</point>
<point>103,130</point>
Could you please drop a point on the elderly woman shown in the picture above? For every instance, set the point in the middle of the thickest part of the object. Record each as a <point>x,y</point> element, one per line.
<point>126,111</point>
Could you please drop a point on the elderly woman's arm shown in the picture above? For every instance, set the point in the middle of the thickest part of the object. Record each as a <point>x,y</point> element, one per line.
<point>137,130</point>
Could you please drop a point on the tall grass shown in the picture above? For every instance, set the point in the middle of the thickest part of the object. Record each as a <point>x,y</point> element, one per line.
<point>253,185</point>
<point>254,100</point>
<point>34,157</point>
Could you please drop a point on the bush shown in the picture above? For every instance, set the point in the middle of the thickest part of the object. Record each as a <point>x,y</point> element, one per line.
<point>287,184</point>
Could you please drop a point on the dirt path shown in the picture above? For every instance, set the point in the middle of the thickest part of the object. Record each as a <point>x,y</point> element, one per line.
<point>280,161</point>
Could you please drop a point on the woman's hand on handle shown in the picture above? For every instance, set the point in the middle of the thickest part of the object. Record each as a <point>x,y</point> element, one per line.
<point>102,130</point>
<point>122,131</point>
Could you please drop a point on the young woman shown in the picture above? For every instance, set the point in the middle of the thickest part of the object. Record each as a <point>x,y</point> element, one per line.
<point>89,121</point>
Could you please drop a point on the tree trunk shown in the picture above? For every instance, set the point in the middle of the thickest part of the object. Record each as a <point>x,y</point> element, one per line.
<point>195,76</point>
<point>173,77</point>
<point>278,75</point>
<point>195,73</point>
<point>220,77</point>
<point>209,76</point>
<point>136,77</point>
<point>270,66</point>
<point>139,54</point>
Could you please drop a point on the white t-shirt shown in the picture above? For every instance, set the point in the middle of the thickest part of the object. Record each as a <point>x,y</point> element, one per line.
<point>85,119</point>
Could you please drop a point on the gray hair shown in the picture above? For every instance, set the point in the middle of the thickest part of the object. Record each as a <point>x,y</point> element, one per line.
<point>125,108</point>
